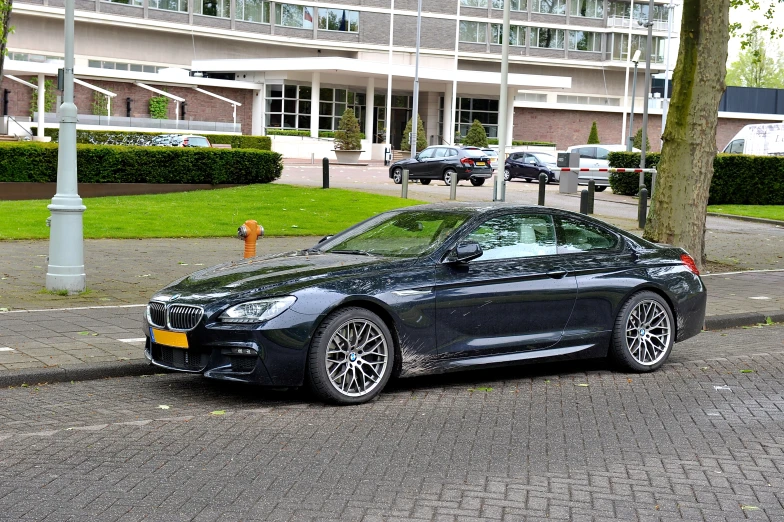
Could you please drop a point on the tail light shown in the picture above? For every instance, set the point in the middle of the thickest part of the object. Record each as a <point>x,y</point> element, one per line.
<point>467,162</point>
<point>687,260</point>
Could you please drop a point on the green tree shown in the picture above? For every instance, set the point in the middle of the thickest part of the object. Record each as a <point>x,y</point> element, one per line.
<point>347,137</point>
<point>593,136</point>
<point>100,105</point>
<point>758,65</point>
<point>5,29</point>
<point>159,107</point>
<point>50,97</point>
<point>476,135</point>
<point>421,138</point>
<point>637,141</point>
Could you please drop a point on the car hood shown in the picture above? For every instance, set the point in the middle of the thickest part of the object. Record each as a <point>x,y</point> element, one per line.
<point>405,161</point>
<point>267,276</point>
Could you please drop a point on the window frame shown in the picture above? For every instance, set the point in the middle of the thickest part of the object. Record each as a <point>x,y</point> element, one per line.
<point>533,42</point>
<point>558,219</point>
<point>560,4</point>
<point>352,14</point>
<point>265,11</point>
<point>479,25</point>
<point>597,41</point>
<point>306,9</point>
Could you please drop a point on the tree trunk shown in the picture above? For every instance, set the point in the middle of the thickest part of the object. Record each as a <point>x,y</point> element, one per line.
<point>5,18</point>
<point>679,207</point>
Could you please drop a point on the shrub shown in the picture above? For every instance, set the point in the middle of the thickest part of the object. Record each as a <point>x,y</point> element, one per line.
<point>331,134</point>
<point>737,178</point>
<point>421,143</point>
<point>637,142</point>
<point>593,136</point>
<point>37,162</point>
<point>347,135</point>
<point>494,141</point>
<point>236,141</point>
<point>159,107</point>
<point>476,135</point>
<point>287,132</point>
<point>100,105</point>
<point>50,96</point>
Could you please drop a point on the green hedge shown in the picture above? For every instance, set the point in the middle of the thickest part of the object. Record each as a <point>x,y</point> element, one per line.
<point>287,132</point>
<point>494,141</point>
<point>37,162</point>
<point>738,179</point>
<point>331,134</point>
<point>236,141</point>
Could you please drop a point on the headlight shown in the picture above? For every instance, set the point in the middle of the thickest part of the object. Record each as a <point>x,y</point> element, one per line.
<point>257,311</point>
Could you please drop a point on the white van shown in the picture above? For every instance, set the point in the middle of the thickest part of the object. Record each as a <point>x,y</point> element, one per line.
<point>765,139</point>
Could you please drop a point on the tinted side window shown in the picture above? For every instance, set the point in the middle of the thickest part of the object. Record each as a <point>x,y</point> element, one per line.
<point>587,152</point>
<point>440,152</point>
<point>452,152</point>
<point>736,147</point>
<point>601,153</point>
<point>515,235</point>
<point>580,236</point>
<point>427,153</point>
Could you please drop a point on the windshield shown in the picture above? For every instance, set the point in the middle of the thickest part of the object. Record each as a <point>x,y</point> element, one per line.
<point>543,157</point>
<point>401,234</point>
<point>474,153</point>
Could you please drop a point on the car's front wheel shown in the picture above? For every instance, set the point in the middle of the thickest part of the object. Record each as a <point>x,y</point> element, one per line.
<point>351,357</point>
<point>507,175</point>
<point>448,173</point>
<point>477,182</point>
<point>644,333</point>
<point>397,176</point>
<point>600,189</point>
<point>424,181</point>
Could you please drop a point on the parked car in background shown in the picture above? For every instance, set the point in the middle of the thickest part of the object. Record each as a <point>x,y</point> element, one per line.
<point>443,162</point>
<point>765,139</point>
<point>595,156</point>
<point>191,140</point>
<point>163,140</point>
<point>528,166</point>
<point>493,155</point>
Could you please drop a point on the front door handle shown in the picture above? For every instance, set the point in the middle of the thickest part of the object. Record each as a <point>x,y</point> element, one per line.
<point>557,273</point>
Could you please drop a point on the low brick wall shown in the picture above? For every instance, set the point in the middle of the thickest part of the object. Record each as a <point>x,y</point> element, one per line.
<point>25,191</point>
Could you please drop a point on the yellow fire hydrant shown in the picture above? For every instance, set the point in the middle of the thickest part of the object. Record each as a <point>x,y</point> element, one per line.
<point>251,232</point>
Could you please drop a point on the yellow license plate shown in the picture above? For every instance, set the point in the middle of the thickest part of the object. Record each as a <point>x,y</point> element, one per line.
<point>175,339</point>
<point>480,163</point>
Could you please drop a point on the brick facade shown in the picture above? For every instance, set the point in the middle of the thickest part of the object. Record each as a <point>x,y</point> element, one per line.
<point>566,128</point>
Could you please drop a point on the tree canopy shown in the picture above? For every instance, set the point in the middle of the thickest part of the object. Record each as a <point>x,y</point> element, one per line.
<point>758,65</point>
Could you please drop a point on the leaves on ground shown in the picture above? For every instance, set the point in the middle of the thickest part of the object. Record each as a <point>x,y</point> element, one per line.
<point>749,508</point>
<point>163,406</point>
<point>218,412</point>
<point>582,384</point>
<point>481,389</point>
<point>746,370</point>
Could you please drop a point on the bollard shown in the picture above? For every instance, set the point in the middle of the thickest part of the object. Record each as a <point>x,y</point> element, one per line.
<point>453,187</point>
<point>495,187</point>
<point>404,184</point>
<point>325,173</point>
<point>591,195</point>
<point>583,201</point>
<point>312,158</point>
<point>251,232</point>
<point>542,184</point>
<point>386,156</point>
<point>503,189</point>
<point>642,212</point>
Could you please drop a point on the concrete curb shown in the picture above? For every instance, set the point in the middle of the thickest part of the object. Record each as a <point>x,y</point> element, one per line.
<point>748,218</point>
<point>82,372</point>
<point>720,322</point>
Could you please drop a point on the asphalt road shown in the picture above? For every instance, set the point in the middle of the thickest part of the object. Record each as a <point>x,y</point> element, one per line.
<point>701,439</point>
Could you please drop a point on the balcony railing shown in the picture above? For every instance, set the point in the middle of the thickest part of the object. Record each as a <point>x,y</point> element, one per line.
<point>146,123</point>
<point>621,21</point>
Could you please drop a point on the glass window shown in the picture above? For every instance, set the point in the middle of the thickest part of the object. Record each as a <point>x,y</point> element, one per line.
<point>517,5</point>
<point>587,152</point>
<point>587,8</point>
<point>514,236</point>
<point>584,41</point>
<point>620,45</point>
<point>547,38</point>
<point>473,32</point>
<point>473,3</point>
<point>440,152</point>
<point>575,235</point>
<point>516,34</point>
<point>482,109</point>
<point>170,5</point>
<point>601,153</point>
<point>139,3</point>
<point>338,20</point>
<point>289,15</point>
<point>427,153</point>
<point>92,63</point>
<point>219,8</point>
<point>253,11</point>
<point>548,6</point>
<point>735,147</point>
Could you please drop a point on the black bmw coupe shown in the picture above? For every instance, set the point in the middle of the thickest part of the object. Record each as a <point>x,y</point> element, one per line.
<point>430,289</point>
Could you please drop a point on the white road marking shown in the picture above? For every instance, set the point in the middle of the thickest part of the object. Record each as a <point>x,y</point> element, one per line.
<point>744,272</point>
<point>6,349</point>
<point>74,308</point>
<point>760,298</point>
<point>134,340</point>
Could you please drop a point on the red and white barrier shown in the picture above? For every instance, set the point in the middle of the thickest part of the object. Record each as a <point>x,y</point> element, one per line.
<point>578,169</point>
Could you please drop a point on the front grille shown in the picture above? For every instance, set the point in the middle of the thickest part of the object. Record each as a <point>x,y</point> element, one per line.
<point>184,317</point>
<point>156,314</point>
<point>178,358</point>
<point>243,364</point>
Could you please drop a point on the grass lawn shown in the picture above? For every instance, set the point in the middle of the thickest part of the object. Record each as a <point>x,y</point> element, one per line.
<point>760,211</point>
<point>283,210</point>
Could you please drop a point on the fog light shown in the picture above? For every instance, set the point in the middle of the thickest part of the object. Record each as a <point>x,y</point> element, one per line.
<point>243,351</point>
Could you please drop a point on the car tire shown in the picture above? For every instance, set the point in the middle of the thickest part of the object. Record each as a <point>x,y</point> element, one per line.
<point>643,334</point>
<point>448,173</point>
<point>507,175</point>
<point>477,182</point>
<point>424,181</point>
<point>599,189</point>
<point>527,180</point>
<point>397,176</point>
<point>344,336</point>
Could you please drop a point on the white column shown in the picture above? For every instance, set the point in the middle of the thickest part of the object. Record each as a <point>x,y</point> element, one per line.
<point>314,104</point>
<point>510,115</point>
<point>371,92</point>
<point>257,113</point>
<point>448,131</point>
<point>41,92</point>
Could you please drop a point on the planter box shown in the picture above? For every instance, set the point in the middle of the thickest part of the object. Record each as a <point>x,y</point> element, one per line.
<point>348,157</point>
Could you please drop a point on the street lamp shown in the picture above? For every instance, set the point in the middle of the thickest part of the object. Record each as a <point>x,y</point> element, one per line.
<point>415,119</point>
<point>629,139</point>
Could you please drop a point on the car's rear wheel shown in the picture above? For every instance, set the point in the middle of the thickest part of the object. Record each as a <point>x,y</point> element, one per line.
<point>397,176</point>
<point>448,173</point>
<point>424,181</point>
<point>351,357</point>
<point>644,333</point>
<point>477,182</point>
<point>507,175</point>
<point>599,189</point>
<point>527,180</point>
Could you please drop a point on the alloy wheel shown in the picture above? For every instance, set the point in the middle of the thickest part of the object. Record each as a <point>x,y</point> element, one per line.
<point>507,177</point>
<point>648,332</point>
<point>397,176</point>
<point>357,355</point>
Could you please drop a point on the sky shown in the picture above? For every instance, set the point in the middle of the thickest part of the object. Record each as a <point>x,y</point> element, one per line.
<point>747,17</point>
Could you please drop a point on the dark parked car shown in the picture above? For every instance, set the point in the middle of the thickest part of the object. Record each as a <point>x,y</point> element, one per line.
<point>430,289</point>
<point>528,166</point>
<point>443,162</point>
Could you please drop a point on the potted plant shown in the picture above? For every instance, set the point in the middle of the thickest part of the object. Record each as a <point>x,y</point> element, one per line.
<point>348,144</point>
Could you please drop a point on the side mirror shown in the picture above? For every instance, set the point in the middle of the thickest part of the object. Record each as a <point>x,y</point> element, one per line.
<point>417,156</point>
<point>464,252</point>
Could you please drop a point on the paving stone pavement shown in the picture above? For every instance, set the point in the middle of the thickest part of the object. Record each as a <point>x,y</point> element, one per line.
<point>699,440</point>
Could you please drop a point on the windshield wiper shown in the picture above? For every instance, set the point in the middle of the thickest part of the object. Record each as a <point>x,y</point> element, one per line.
<point>353,252</point>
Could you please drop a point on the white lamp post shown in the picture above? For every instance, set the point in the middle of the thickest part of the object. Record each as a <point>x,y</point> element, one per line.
<point>636,61</point>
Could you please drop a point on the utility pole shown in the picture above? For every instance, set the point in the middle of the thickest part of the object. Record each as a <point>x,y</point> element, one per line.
<point>415,117</point>
<point>66,242</point>
<point>646,90</point>
<point>503,124</point>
